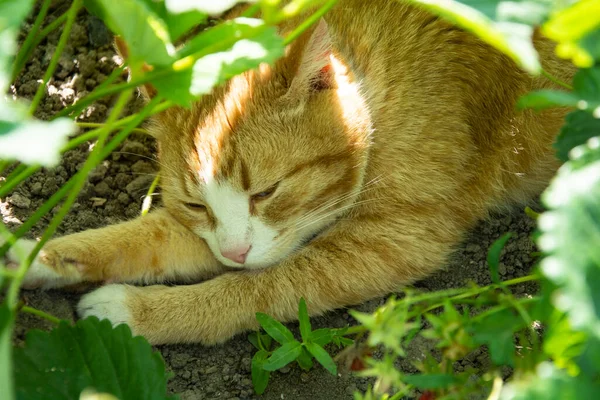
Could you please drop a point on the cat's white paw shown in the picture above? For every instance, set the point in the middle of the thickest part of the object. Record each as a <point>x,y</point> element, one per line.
<point>108,302</point>
<point>39,274</point>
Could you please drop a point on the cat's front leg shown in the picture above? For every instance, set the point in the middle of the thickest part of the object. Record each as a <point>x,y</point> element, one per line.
<point>150,249</point>
<point>347,267</point>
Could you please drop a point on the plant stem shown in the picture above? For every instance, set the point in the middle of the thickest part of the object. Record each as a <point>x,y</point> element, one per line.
<point>25,51</point>
<point>14,179</point>
<point>40,313</point>
<point>94,158</point>
<point>556,80</point>
<point>71,14</point>
<point>308,22</point>
<point>100,125</point>
<point>147,203</point>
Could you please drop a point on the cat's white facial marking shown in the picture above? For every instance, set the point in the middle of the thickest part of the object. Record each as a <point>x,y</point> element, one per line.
<point>239,238</point>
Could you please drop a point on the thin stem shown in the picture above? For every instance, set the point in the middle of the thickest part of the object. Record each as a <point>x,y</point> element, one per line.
<point>71,15</point>
<point>40,313</point>
<point>94,159</point>
<point>25,51</point>
<point>4,164</point>
<point>309,22</point>
<point>556,80</point>
<point>13,180</point>
<point>99,125</point>
<point>147,203</point>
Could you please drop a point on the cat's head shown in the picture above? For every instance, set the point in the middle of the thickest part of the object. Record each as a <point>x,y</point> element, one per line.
<point>269,160</point>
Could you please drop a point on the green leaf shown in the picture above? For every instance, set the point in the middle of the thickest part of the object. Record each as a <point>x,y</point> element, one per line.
<point>146,34</point>
<point>18,132</point>
<point>542,99</point>
<point>275,329</point>
<point>61,363</point>
<point>177,22</point>
<point>550,383</point>
<point>305,328</point>
<point>12,14</point>
<point>579,127</point>
<point>505,25</point>
<point>322,336</point>
<point>493,256</point>
<point>430,381</point>
<point>305,360</point>
<point>205,6</point>
<point>283,356</point>
<point>253,338</point>
<point>497,332</point>
<point>228,56</point>
<point>260,377</point>
<point>7,319</point>
<point>322,357</point>
<point>576,30</point>
<point>569,236</point>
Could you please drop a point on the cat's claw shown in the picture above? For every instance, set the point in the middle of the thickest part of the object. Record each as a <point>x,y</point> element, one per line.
<point>108,302</point>
<point>39,275</point>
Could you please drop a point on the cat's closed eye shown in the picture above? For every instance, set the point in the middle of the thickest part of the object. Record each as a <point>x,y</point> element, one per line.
<point>195,206</point>
<point>266,193</point>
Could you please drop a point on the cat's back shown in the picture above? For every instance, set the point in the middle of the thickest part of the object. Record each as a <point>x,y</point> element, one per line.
<point>443,107</point>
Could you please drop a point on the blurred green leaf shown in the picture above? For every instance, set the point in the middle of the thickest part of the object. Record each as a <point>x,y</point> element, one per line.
<point>497,331</point>
<point>562,343</point>
<point>576,29</point>
<point>18,131</point>
<point>569,236</point>
<point>549,383</point>
<point>275,329</point>
<point>506,25</point>
<point>542,99</point>
<point>579,127</point>
<point>304,320</point>
<point>61,363</point>
<point>493,256</point>
<point>144,32</point>
<point>322,357</point>
<point>283,356</point>
<point>12,14</point>
<point>227,57</point>
<point>177,22</point>
<point>430,381</point>
<point>211,7</point>
<point>260,376</point>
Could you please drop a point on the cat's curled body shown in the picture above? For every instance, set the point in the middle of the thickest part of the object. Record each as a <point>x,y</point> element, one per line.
<point>349,169</point>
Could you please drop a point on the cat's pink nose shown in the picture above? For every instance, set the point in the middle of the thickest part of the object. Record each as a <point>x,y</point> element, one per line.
<point>237,254</point>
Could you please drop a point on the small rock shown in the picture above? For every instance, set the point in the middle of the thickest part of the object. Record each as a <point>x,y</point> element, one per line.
<point>20,201</point>
<point>304,377</point>
<point>139,185</point>
<point>211,370</point>
<point>132,150</point>
<point>123,198</point>
<point>502,269</point>
<point>285,370</point>
<point>98,173</point>
<point>36,188</point>
<point>102,189</point>
<point>98,201</point>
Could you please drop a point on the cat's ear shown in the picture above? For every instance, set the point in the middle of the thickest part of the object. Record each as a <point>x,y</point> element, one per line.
<point>147,90</point>
<point>314,72</point>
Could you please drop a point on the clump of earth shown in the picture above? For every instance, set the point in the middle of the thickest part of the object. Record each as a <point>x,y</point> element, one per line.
<point>114,193</point>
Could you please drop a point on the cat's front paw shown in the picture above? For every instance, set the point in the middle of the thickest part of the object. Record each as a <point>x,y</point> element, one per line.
<point>108,302</point>
<point>40,274</point>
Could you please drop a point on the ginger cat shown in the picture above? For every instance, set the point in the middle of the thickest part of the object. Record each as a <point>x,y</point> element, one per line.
<point>350,168</point>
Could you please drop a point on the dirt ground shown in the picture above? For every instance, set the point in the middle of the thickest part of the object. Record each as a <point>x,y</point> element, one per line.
<point>115,191</point>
